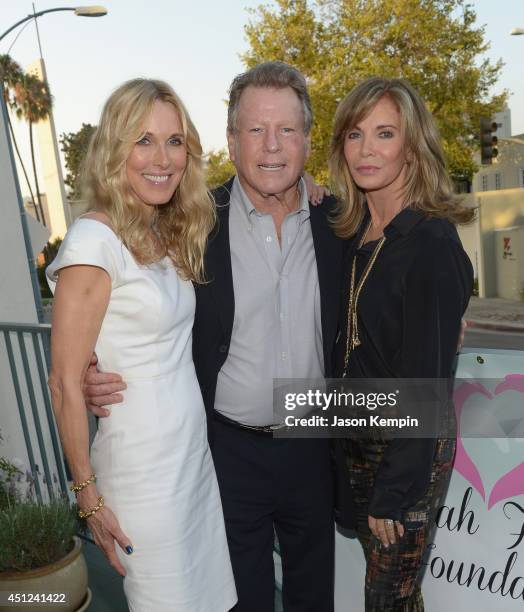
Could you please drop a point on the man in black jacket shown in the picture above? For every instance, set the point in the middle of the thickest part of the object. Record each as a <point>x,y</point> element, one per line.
<point>269,310</point>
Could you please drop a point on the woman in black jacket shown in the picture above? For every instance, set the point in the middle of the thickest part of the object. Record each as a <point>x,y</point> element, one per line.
<point>407,285</point>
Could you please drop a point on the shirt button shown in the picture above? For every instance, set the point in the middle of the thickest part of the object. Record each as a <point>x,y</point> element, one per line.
<point>284,355</point>
<point>269,239</point>
<point>222,348</point>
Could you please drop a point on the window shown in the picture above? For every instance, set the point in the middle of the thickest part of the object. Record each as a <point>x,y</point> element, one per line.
<point>498,180</point>
<point>484,182</point>
<point>461,185</point>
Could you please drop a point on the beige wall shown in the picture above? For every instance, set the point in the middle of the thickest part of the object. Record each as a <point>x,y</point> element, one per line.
<point>470,237</point>
<point>496,210</point>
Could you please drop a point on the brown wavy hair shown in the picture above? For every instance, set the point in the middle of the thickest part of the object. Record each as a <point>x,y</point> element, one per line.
<point>428,186</point>
<point>182,224</point>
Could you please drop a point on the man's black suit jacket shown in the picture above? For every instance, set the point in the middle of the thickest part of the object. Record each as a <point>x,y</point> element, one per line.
<point>215,301</point>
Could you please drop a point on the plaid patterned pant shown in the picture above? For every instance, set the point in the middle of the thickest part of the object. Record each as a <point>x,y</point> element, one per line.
<point>393,574</point>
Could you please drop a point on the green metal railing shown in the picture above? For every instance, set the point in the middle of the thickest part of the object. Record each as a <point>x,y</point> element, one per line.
<point>27,348</point>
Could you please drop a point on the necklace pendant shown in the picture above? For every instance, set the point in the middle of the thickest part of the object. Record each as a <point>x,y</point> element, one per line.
<point>352,339</point>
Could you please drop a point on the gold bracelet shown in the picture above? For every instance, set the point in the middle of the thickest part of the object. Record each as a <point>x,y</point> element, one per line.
<point>85,514</point>
<point>76,487</point>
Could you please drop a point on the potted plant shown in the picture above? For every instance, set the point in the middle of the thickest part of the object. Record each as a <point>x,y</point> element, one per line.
<point>40,555</point>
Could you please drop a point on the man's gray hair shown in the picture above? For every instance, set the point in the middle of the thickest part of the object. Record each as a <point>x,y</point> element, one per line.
<point>277,75</point>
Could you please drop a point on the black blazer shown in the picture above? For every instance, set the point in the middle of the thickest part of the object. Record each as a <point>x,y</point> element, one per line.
<point>215,301</point>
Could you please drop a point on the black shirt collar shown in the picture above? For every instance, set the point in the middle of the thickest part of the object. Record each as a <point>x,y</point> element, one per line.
<point>404,222</point>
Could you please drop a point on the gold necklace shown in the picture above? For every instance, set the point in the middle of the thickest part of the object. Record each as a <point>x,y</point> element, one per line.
<point>352,338</point>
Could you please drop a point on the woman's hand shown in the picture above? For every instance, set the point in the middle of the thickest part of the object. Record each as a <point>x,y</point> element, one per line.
<point>315,193</point>
<point>105,529</point>
<point>386,530</point>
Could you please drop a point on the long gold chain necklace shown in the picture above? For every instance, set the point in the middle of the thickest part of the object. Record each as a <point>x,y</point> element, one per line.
<point>352,338</point>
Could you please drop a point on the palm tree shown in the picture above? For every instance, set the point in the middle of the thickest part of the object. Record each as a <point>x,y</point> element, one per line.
<point>33,103</point>
<point>10,74</point>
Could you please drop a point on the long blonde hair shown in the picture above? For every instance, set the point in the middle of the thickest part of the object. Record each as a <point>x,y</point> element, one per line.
<point>428,186</point>
<point>182,224</point>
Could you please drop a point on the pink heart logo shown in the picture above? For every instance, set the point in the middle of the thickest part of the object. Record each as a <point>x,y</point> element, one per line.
<point>509,484</point>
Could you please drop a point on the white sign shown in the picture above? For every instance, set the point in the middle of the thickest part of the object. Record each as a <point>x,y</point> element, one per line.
<point>476,561</point>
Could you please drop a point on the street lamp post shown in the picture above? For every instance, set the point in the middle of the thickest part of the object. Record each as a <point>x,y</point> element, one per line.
<point>11,185</point>
<point>81,11</point>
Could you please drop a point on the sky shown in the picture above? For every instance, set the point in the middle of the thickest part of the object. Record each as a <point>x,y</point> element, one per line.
<point>194,45</point>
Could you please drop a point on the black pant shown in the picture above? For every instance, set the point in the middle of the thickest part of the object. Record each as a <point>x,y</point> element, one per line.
<point>277,485</point>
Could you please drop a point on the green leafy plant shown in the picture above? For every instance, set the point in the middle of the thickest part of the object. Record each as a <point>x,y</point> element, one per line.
<point>437,45</point>
<point>74,147</point>
<point>32,534</point>
<point>8,475</point>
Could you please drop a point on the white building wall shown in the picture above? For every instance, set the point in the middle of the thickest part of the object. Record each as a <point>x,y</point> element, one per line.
<point>503,121</point>
<point>17,302</point>
<point>58,206</point>
<point>16,291</point>
<point>508,166</point>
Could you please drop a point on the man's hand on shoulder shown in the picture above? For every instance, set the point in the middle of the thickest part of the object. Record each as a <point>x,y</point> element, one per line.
<point>101,389</point>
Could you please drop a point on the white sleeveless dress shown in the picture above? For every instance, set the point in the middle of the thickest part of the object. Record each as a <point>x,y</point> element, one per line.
<point>151,455</point>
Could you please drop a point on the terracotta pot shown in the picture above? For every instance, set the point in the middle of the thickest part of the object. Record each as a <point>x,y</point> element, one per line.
<point>66,576</point>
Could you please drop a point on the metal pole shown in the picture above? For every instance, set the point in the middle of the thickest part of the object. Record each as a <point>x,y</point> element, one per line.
<point>37,30</point>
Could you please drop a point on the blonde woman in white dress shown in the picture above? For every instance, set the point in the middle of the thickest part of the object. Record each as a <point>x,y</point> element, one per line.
<point>123,288</point>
